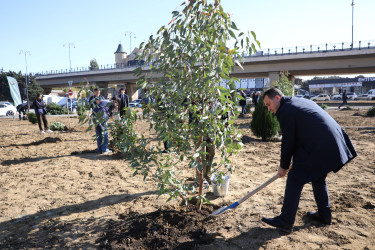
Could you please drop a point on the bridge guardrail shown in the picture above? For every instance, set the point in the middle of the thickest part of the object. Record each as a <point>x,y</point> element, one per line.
<point>321,48</point>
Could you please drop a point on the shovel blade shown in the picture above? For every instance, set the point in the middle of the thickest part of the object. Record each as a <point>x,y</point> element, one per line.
<point>220,211</point>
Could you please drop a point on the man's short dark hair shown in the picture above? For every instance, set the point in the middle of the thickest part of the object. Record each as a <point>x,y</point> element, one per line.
<point>121,89</point>
<point>273,92</point>
<point>96,89</point>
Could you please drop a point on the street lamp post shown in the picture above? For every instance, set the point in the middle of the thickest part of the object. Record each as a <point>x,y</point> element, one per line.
<point>70,62</point>
<point>352,23</point>
<point>26,77</point>
<point>130,34</point>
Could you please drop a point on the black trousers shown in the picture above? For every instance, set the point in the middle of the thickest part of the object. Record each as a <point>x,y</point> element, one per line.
<point>345,102</point>
<point>23,112</point>
<point>293,193</point>
<point>45,122</point>
<point>122,112</point>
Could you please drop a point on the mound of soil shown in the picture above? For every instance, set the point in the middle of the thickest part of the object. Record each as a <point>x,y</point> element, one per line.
<point>162,229</point>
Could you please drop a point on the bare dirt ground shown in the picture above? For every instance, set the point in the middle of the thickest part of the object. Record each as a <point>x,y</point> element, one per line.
<point>56,192</point>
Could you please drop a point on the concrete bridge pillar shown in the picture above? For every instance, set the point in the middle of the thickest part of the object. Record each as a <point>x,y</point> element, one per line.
<point>292,79</point>
<point>274,77</point>
<point>131,90</point>
<point>103,86</point>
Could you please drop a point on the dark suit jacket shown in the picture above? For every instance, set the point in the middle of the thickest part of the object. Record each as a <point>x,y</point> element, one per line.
<point>313,138</point>
<point>123,102</point>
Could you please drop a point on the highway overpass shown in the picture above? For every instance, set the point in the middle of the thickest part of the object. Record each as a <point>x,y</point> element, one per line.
<point>321,62</point>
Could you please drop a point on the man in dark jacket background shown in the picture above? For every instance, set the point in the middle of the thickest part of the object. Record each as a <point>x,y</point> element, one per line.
<point>317,144</point>
<point>22,108</point>
<point>344,99</point>
<point>124,101</point>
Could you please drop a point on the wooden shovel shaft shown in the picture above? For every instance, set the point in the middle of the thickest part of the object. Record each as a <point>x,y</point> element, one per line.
<point>258,189</point>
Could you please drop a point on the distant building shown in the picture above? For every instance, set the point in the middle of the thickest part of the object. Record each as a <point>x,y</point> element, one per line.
<point>123,60</point>
<point>120,57</point>
<point>357,85</point>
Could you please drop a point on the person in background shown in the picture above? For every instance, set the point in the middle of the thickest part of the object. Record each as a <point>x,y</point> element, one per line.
<point>344,99</point>
<point>317,145</point>
<point>100,116</point>
<point>124,101</point>
<point>115,108</point>
<point>256,98</point>
<point>253,97</point>
<point>96,98</point>
<point>41,111</point>
<point>22,109</point>
<point>243,103</point>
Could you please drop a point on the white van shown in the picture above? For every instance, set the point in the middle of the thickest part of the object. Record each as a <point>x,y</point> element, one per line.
<point>371,94</point>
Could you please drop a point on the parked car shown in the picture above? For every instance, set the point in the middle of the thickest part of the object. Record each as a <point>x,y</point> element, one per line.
<point>337,97</point>
<point>371,94</point>
<point>7,103</point>
<point>249,100</point>
<point>351,96</point>
<point>7,110</point>
<point>64,100</point>
<point>321,97</point>
<point>363,97</point>
<point>136,103</point>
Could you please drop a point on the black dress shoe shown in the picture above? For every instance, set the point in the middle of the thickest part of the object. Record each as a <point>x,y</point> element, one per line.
<point>277,222</point>
<point>316,216</point>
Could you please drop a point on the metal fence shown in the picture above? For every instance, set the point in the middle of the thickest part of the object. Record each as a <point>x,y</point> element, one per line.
<point>321,48</point>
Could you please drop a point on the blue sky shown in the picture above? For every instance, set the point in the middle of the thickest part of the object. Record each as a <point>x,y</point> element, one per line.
<point>96,27</point>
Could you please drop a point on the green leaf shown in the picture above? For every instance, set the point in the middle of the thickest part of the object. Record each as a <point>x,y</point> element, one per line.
<point>234,26</point>
<point>238,63</point>
<point>253,33</point>
<point>232,34</point>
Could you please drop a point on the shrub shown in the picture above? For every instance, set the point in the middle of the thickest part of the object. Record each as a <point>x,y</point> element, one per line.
<point>32,118</point>
<point>371,112</point>
<point>123,133</point>
<point>57,126</point>
<point>264,124</point>
<point>324,106</point>
<point>55,109</point>
<point>80,110</point>
<point>248,108</point>
<point>286,86</point>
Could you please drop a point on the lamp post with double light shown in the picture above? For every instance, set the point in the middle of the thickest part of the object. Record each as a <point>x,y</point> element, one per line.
<point>352,23</point>
<point>70,62</point>
<point>130,34</point>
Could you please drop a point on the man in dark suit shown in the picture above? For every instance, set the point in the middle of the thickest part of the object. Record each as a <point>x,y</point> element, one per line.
<point>124,101</point>
<point>317,144</point>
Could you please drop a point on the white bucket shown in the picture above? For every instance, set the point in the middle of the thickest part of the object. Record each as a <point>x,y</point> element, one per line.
<point>221,189</point>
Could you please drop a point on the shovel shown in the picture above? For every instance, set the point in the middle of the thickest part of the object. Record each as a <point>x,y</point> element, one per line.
<point>225,208</point>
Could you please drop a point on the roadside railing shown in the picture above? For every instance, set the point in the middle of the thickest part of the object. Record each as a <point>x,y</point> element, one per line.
<point>321,48</point>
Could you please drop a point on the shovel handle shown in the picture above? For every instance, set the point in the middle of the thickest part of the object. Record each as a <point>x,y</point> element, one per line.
<point>258,189</point>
